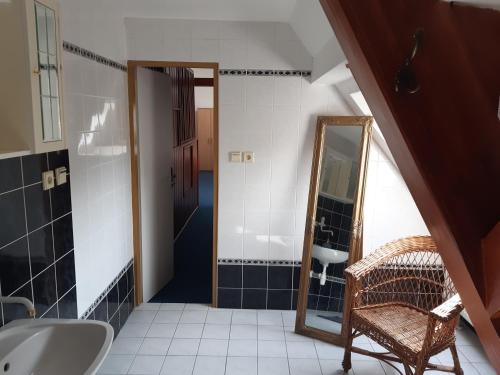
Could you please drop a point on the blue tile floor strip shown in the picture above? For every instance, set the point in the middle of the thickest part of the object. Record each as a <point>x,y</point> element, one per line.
<point>193,253</point>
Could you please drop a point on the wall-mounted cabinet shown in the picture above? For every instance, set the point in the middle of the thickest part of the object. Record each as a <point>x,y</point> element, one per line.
<point>31,117</point>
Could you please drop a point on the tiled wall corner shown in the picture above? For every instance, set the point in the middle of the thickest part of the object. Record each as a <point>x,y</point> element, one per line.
<point>36,238</point>
<point>115,304</point>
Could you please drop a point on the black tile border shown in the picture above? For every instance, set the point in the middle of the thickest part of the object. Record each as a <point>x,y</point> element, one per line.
<point>76,50</point>
<point>104,294</point>
<point>258,262</point>
<point>265,72</point>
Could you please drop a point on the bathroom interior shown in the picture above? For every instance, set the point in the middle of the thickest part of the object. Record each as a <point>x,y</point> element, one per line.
<point>202,187</point>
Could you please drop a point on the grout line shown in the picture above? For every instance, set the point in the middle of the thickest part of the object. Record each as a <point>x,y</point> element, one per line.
<point>11,191</point>
<point>27,240</point>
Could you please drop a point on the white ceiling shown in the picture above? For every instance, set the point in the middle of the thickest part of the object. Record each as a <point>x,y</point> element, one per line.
<point>235,10</point>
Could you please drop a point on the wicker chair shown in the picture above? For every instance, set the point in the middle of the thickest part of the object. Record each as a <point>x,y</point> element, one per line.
<point>402,297</point>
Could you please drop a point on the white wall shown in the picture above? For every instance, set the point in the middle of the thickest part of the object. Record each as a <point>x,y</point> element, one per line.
<point>96,118</point>
<point>389,210</point>
<point>262,206</point>
<point>203,97</point>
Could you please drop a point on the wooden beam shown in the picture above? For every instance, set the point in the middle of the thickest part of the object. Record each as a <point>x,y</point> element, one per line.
<point>445,137</point>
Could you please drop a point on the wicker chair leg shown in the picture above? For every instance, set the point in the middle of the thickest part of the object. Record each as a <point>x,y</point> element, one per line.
<point>420,368</point>
<point>407,369</point>
<point>346,363</point>
<point>456,362</point>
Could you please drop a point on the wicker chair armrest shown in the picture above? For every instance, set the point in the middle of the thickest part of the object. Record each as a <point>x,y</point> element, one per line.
<point>390,250</point>
<point>448,309</point>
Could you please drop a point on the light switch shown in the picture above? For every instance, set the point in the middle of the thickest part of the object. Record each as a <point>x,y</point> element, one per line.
<point>60,176</point>
<point>249,157</point>
<point>48,180</point>
<point>235,157</point>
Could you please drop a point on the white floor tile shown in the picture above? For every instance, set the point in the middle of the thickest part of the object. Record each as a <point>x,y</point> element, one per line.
<point>446,358</point>
<point>196,307</point>
<point>189,331</point>
<point>241,366</point>
<point>165,316</point>
<point>361,357</point>
<point>304,366</point>
<point>178,365</point>
<point>367,368</point>
<point>273,366</point>
<point>172,306</point>
<point>290,335</point>
<point>142,316</point>
<point>184,347</point>
<point>116,364</point>
<point>328,351</point>
<point>125,345</point>
<point>269,317</point>
<point>469,369</point>
<point>271,333</point>
<point>301,349</point>
<point>474,354</point>
<point>216,331</point>
<point>272,349</point>
<point>242,348</point>
<point>155,346</point>
<point>147,365</point>
<point>219,317</point>
<point>134,330</point>
<point>193,316</point>
<point>289,317</point>
<point>244,317</point>
<point>243,331</point>
<point>162,330</point>
<point>205,365</point>
<point>148,306</point>
<point>333,367</point>
<point>484,368</point>
<point>213,347</point>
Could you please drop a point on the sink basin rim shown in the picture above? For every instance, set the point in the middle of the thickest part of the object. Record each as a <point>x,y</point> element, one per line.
<point>29,328</point>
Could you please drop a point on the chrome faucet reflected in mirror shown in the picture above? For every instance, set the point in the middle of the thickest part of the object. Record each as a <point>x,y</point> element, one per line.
<point>30,308</point>
<point>333,241</point>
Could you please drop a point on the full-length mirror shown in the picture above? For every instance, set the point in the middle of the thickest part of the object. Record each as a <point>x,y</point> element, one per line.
<point>333,227</point>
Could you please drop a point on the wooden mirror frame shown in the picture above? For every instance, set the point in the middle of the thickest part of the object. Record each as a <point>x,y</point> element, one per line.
<point>356,241</point>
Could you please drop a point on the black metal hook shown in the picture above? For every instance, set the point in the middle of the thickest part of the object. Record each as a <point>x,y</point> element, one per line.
<point>405,77</point>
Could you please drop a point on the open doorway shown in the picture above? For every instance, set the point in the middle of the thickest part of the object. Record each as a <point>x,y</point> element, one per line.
<point>181,268</point>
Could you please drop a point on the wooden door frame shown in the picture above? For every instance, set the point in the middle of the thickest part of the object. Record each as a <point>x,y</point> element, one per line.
<point>132,66</point>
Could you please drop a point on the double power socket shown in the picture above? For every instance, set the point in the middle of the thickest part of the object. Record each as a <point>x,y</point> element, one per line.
<point>55,177</point>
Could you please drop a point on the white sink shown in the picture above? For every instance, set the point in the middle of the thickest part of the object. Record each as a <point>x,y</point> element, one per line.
<point>326,256</point>
<point>53,346</point>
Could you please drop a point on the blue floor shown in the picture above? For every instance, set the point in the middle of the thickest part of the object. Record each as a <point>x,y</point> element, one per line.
<point>193,253</point>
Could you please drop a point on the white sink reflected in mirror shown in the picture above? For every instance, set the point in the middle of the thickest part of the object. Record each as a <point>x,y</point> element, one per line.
<point>326,256</point>
<point>53,346</point>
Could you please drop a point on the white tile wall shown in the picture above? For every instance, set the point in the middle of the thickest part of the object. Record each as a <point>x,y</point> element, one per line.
<point>233,44</point>
<point>262,205</point>
<point>96,113</point>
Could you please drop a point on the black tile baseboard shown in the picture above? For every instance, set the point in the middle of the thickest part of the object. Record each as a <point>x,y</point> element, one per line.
<point>258,284</point>
<point>36,238</point>
<point>116,302</point>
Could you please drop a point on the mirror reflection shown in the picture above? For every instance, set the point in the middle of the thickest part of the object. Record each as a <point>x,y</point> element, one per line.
<point>338,182</point>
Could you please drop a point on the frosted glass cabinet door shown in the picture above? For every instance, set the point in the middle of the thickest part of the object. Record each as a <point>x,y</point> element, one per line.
<point>48,72</point>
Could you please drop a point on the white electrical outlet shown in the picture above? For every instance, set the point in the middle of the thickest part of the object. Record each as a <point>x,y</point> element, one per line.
<point>48,180</point>
<point>249,157</point>
<point>60,176</point>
